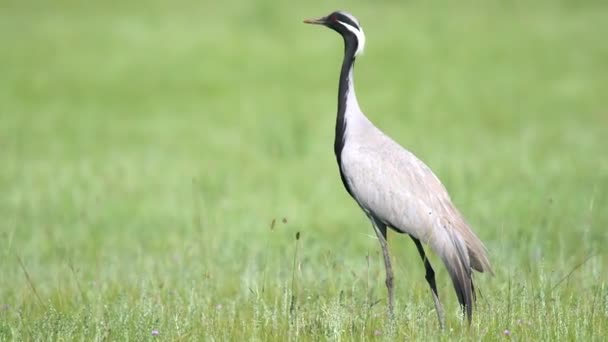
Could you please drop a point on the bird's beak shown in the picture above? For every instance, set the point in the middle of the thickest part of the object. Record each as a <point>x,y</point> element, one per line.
<point>320,21</point>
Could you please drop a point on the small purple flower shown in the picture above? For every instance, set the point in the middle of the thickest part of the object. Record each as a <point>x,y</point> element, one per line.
<point>507,332</point>
<point>155,332</point>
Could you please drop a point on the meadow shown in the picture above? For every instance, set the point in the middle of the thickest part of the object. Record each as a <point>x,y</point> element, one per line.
<point>158,159</point>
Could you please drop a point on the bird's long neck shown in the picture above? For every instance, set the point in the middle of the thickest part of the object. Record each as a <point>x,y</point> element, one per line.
<point>347,100</point>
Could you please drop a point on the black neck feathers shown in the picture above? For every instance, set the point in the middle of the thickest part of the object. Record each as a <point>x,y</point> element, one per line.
<point>350,48</point>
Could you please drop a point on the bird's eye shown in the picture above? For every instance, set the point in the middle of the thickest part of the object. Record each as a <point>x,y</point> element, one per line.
<point>334,17</point>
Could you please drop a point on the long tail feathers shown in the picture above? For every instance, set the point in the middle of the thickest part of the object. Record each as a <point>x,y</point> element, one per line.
<point>456,259</point>
<point>462,253</point>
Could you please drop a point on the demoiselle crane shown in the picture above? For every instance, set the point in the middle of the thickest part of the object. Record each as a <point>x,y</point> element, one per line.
<point>396,189</point>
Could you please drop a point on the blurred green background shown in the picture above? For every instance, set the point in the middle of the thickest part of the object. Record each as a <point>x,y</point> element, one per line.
<point>146,147</point>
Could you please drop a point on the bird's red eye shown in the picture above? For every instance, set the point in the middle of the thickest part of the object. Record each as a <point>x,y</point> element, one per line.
<point>334,17</point>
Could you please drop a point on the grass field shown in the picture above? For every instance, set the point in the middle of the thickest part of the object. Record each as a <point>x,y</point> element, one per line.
<point>157,160</point>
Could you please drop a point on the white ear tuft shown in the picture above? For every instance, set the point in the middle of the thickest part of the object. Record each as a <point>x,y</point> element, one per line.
<point>359,34</point>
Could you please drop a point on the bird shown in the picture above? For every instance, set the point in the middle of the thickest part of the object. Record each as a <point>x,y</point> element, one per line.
<point>396,190</point>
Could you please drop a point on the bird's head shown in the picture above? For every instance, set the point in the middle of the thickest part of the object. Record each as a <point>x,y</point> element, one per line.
<point>345,24</point>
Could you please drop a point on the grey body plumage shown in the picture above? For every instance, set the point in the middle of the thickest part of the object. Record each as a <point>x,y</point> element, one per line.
<point>396,189</point>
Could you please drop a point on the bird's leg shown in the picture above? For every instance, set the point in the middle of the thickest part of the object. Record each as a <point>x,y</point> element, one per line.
<point>380,229</point>
<point>430,278</point>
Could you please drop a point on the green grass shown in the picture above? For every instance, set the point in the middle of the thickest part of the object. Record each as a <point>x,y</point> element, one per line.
<point>146,147</point>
